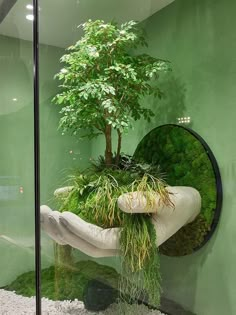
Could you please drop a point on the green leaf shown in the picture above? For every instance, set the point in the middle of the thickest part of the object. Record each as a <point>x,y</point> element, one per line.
<point>103,80</point>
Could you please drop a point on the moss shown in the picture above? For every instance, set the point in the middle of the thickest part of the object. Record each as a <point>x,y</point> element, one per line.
<point>77,279</point>
<point>94,199</point>
<point>184,161</point>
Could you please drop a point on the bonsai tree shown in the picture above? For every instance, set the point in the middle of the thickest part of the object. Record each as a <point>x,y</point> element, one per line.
<point>103,82</point>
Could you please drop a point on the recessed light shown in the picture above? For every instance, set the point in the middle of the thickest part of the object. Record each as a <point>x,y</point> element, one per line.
<point>29,7</point>
<point>14,99</point>
<point>30,17</point>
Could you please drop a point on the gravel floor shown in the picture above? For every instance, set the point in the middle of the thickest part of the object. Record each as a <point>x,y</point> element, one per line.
<point>12,304</point>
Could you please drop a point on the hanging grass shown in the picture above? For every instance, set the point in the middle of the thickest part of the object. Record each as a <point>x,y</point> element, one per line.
<point>94,199</point>
<point>140,262</point>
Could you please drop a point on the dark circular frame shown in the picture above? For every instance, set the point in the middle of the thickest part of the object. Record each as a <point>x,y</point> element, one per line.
<point>218,181</point>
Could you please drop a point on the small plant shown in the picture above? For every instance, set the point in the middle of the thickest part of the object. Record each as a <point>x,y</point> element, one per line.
<point>103,82</point>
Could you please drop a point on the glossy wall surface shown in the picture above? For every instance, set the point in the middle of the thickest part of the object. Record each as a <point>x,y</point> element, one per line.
<point>17,158</point>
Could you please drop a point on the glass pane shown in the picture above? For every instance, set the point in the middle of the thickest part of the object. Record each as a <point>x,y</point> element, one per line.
<point>73,266</point>
<point>107,82</point>
<point>17,158</point>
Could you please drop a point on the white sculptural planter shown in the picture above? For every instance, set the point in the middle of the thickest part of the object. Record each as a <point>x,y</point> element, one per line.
<point>66,228</point>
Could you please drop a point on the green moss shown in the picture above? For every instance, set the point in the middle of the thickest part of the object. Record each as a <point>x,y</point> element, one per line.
<point>71,286</point>
<point>184,161</point>
<point>94,199</point>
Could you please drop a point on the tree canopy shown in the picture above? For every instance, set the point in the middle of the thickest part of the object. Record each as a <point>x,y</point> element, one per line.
<point>103,82</point>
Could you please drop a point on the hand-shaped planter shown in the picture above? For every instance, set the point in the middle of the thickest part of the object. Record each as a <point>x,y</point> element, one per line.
<point>178,219</point>
<point>68,229</point>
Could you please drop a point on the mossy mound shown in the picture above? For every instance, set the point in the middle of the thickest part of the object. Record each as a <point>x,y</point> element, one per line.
<point>94,199</point>
<point>71,283</point>
<point>185,162</point>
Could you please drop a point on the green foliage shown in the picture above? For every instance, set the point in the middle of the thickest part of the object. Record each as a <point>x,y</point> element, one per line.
<point>140,268</point>
<point>128,163</point>
<point>103,82</point>
<point>95,193</point>
<point>187,239</point>
<point>70,287</point>
<point>185,162</point>
<point>94,198</point>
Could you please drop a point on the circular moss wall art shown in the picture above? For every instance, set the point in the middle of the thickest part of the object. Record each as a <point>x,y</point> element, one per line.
<point>186,160</point>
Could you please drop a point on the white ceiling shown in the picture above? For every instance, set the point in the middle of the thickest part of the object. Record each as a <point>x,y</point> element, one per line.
<point>59,18</point>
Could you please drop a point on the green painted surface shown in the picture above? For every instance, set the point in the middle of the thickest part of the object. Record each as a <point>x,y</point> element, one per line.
<point>16,156</point>
<point>198,37</point>
<point>58,154</point>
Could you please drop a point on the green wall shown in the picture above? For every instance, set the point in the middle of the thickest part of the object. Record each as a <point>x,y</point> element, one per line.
<point>17,150</point>
<point>16,156</point>
<point>59,153</point>
<point>199,38</point>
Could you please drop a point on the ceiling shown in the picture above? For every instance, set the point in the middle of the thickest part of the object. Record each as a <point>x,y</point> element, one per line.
<point>59,18</point>
<point>5,7</point>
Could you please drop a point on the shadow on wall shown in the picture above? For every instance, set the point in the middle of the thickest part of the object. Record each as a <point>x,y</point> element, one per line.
<point>191,268</point>
<point>186,269</point>
<point>60,154</point>
<point>170,107</point>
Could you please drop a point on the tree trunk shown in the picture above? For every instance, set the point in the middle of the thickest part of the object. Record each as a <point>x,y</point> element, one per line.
<point>108,152</point>
<point>118,147</point>
<point>64,264</point>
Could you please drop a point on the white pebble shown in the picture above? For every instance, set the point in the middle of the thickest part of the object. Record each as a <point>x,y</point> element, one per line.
<point>13,304</point>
